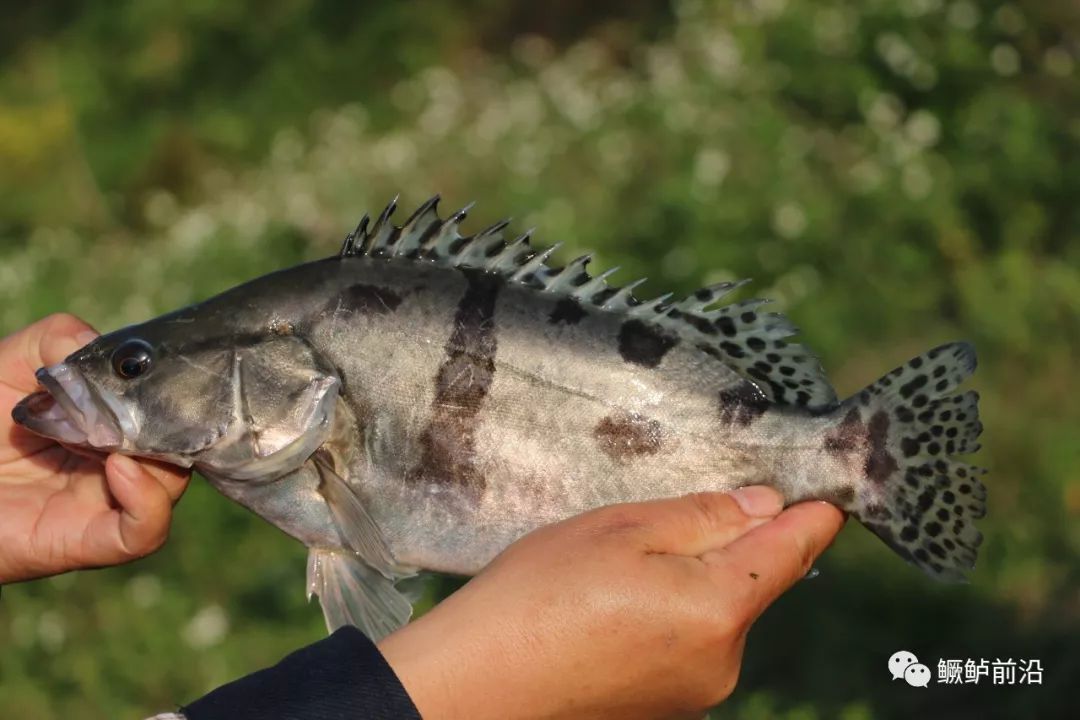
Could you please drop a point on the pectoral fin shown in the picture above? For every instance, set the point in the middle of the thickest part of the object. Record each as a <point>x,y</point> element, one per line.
<point>355,585</point>
<point>357,527</point>
<point>352,593</point>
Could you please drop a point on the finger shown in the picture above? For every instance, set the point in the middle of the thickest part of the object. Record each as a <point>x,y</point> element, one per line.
<point>693,524</point>
<point>171,477</point>
<point>46,342</point>
<point>145,506</point>
<point>769,559</point>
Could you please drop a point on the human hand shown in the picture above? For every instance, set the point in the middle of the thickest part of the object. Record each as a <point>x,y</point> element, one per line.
<point>64,510</point>
<point>629,611</point>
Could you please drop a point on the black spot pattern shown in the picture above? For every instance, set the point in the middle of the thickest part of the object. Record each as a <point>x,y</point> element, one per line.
<point>931,496</point>
<point>752,344</point>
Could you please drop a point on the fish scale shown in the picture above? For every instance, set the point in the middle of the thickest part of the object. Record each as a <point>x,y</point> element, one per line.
<point>424,398</point>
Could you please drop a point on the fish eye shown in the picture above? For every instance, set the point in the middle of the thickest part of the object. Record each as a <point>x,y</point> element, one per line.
<point>132,358</point>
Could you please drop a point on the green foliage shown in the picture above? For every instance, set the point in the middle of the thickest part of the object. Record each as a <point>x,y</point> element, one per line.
<point>895,174</point>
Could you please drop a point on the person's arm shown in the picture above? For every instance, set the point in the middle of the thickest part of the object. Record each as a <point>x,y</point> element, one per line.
<point>342,676</point>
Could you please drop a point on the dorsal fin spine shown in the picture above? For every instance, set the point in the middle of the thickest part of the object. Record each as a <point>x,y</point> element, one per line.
<point>535,263</point>
<point>511,256</point>
<point>574,275</point>
<point>623,299</point>
<point>651,307</point>
<point>736,333</point>
<point>595,285</point>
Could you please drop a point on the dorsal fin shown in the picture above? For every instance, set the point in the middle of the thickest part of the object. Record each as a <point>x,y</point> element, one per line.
<point>750,342</point>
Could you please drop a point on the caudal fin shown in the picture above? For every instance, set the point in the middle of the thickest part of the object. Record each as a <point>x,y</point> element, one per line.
<point>916,496</point>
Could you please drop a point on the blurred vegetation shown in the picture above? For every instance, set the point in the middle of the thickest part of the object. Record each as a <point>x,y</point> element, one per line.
<point>895,173</point>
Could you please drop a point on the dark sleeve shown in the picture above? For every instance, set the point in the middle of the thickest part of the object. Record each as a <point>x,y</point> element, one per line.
<point>342,676</point>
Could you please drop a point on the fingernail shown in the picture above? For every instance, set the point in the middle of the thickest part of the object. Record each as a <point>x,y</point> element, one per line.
<point>62,346</point>
<point>758,500</point>
<point>126,467</point>
<point>86,337</point>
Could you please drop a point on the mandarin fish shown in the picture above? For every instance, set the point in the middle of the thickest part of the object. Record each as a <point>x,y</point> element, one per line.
<point>423,399</point>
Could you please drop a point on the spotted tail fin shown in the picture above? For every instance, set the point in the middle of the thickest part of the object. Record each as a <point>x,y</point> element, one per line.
<point>917,497</point>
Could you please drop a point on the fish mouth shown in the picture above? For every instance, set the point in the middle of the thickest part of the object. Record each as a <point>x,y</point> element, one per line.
<point>71,411</point>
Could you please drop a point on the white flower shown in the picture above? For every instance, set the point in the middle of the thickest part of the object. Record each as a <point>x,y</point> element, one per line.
<point>1005,60</point>
<point>963,15</point>
<point>711,166</point>
<point>51,630</point>
<point>923,128</point>
<point>916,181</point>
<point>1058,61</point>
<point>207,628</point>
<point>145,590</point>
<point>789,220</point>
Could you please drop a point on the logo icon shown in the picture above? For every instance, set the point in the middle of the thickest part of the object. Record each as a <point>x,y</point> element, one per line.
<point>900,661</point>
<point>917,675</point>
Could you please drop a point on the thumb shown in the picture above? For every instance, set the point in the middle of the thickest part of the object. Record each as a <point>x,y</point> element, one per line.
<point>695,523</point>
<point>45,342</point>
<point>145,506</point>
<point>759,566</point>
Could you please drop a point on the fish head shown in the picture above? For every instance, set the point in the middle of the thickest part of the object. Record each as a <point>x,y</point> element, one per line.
<point>238,406</point>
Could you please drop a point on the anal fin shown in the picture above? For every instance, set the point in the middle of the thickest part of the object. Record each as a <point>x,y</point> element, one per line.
<point>351,592</point>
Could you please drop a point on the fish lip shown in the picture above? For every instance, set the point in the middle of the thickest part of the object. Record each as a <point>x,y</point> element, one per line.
<point>59,394</point>
<point>36,412</point>
<point>79,414</point>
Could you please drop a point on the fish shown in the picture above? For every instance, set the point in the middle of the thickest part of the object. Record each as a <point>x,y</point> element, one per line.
<point>423,398</point>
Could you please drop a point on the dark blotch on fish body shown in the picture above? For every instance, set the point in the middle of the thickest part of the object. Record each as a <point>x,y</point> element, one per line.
<point>363,298</point>
<point>742,404</point>
<point>849,435</point>
<point>853,435</point>
<point>461,386</point>
<point>844,496</point>
<point>878,511</point>
<point>568,311</point>
<point>644,344</point>
<point>627,435</point>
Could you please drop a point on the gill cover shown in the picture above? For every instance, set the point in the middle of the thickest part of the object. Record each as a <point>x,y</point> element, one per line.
<point>282,408</point>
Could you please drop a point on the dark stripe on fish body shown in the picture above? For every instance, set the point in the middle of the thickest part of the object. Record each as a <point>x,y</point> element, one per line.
<point>461,386</point>
<point>623,436</point>
<point>880,465</point>
<point>643,344</point>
